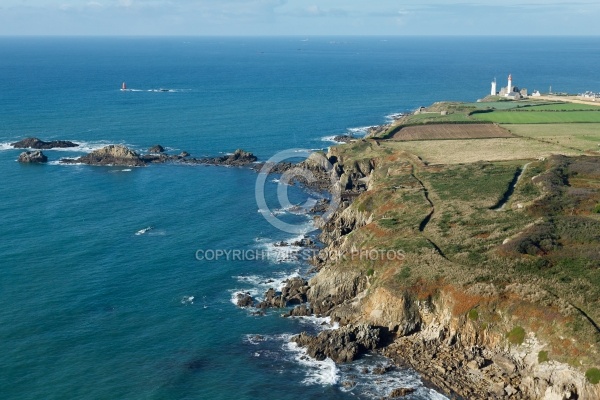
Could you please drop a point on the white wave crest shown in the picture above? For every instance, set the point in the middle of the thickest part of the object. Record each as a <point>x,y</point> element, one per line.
<point>187,300</point>
<point>361,130</point>
<point>236,293</point>
<point>394,116</point>
<point>283,251</point>
<point>324,372</point>
<point>143,231</point>
<point>323,323</point>
<point>260,284</point>
<point>329,139</point>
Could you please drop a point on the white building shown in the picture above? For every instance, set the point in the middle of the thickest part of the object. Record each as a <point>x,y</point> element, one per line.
<point>510,92</point>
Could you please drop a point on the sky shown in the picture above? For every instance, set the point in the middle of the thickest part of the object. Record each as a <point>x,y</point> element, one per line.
<point>299,17</point>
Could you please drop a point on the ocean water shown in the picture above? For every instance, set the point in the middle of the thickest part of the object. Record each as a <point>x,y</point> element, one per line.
<point>90,309</point>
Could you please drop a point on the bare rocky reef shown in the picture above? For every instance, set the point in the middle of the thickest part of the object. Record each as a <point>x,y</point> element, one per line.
<point>117,155</point>
<point>35,143</point>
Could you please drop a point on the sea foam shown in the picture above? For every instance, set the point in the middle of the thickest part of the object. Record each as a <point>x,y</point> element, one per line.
<point>317,372</point>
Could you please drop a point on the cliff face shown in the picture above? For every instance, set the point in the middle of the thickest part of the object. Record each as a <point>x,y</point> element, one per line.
<point>454,352</point>
<point>472,330</point>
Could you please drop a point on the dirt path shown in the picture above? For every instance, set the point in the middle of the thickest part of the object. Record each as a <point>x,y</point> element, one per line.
<point>511,189</point>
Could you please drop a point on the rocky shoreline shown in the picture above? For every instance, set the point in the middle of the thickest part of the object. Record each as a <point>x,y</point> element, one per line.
<point>299,298</point>
<point>456,354</point>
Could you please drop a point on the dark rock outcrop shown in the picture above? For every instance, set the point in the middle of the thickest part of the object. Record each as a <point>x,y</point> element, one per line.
<point>300,311</point>
<point>33,157</point>
<point>304,242</point>
<point>244,300</point>
<point>341,345</point>
<point>293,293</point>
<point>156,149</point>
<point>237,159</point>
<point>35,143</point>
<point>400,392</point>
<point>157,158</point>
<point>110,155</point>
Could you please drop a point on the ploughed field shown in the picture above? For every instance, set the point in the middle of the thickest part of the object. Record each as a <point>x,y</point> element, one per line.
<point>451,131</point>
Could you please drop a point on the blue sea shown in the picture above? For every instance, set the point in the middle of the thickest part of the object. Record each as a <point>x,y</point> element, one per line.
<point>94,306</point>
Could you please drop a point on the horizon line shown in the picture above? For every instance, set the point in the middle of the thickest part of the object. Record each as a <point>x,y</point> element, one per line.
<point>292,36</point>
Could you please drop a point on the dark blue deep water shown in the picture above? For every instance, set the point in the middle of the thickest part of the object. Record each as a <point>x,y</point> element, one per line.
<point>89,309</point>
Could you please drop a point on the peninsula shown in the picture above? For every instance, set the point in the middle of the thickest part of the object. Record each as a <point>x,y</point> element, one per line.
<point>495,207</point>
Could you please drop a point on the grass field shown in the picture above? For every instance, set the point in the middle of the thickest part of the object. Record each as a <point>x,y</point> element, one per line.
<point>563,107</point>
<point>539,117</point>
<point>451,131</point>
<point>424,118</point>
<point>583,137</point>
<point>502,105</point>
<point>469,151</point>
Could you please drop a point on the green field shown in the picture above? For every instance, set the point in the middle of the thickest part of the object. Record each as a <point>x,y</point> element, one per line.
<point>574,136</point>
<point>562,107</point>
<point>539,117</point>
<point>502,105</point>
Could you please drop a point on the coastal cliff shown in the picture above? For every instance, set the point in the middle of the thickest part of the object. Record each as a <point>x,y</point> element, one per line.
<point>482,302</point>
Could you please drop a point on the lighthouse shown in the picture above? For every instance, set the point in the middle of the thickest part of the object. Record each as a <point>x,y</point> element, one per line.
<point>494,87</point>
<point>509,89</point>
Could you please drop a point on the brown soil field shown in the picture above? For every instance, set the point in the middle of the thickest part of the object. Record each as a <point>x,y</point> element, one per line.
<point>451,131</point>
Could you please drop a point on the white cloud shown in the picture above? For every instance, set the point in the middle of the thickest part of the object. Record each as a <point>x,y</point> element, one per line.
<point>301,17</point>
<point>95,5</point>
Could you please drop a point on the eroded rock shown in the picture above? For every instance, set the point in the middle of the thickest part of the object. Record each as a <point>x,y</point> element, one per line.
<point>33,157</point>
<point>110,155</point>
<point>341,345</point>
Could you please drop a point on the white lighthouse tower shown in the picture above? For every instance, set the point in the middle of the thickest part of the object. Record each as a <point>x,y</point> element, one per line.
<point>494,87</point>
<point>509,89</point>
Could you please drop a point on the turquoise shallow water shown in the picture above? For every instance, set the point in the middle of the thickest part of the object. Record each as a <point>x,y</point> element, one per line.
<point>92,310</point>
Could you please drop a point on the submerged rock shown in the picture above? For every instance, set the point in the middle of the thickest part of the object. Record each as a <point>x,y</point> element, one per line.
<point>156,149</point>
<point>35,143</point>
<point>158,158</point>
<point>33,157</point>
<point>110,155</point>
<point>238,158</point>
